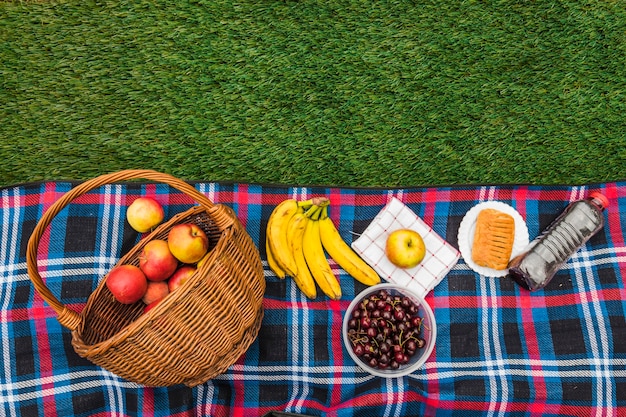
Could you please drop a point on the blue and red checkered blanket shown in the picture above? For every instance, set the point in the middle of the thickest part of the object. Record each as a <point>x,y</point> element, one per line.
<point>500,350</point>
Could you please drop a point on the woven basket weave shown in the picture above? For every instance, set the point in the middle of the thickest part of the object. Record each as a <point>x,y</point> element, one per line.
<point>197,331</point>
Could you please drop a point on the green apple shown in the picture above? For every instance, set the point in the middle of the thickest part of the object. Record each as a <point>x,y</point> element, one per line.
<point>144,214</point>
<point>188,242</point>
<point>405,248</point>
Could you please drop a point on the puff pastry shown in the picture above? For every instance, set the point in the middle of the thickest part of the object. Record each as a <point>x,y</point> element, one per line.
<point>493,239</point>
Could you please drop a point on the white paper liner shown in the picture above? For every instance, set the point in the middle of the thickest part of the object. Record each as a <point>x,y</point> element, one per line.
<point>439,259</point>
<point>468,227</point>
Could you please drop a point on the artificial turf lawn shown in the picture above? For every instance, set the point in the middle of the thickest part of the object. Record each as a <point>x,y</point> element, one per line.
<point>353,93</point>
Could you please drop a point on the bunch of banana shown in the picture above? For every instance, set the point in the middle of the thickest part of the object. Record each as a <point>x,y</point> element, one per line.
<point>299,233</point>
<point>343,254</point>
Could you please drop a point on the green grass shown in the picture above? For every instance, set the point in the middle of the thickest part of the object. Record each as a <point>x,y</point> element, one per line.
<point>352,93</point>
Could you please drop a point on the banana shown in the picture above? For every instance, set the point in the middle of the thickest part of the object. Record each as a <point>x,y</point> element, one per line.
<point>343,254</point>
<point>271,261</point>
<point>291,229</point>
<point>316,259</point>
<point>303,278</point>
<point>277,234</point>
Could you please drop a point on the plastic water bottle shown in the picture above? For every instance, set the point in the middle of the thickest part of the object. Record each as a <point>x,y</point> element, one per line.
<point>545,255</point>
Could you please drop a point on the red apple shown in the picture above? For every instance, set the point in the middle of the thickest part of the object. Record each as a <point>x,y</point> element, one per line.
<point>157,290</point>
<point>156,260</point>
<point>180,276</point>
<point>127,283</point>
<point>188,242</point>
<point>151,305</point>
<point>405,248</point>
<point>144,213</point>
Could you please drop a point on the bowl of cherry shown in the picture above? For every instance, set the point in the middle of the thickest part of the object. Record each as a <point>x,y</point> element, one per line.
<point>389,330</point>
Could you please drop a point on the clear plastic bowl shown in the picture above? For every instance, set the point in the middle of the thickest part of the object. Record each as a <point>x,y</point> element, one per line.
<point>428,331</point>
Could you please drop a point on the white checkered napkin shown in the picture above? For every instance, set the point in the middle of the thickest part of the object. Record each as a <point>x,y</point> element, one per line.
<point>439,259</point>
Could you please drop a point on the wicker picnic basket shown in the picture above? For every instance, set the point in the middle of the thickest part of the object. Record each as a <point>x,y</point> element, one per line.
<point>197,331</point>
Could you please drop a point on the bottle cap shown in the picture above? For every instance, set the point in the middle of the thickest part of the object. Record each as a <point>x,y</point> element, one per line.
<point>600,198</point>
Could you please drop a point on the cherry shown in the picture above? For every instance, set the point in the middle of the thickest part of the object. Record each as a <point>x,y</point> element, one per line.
<point>372,333</point>
<point>385,330</point>
<point>411,345</point>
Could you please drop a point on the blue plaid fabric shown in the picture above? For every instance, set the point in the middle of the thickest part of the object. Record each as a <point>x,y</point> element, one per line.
<point>500,350</point>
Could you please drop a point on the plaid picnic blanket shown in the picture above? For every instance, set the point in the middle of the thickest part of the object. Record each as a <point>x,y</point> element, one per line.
<point>500,350</point>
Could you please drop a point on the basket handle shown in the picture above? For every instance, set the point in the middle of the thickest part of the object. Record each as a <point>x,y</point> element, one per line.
<point>69,318</point>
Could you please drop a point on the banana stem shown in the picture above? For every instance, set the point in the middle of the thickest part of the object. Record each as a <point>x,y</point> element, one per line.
<point>320,201</point>
<point>324,213</point>
<point>306,203</point>
<point>315,201</point>
<point>311,211</point>
<point>316,214</point>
